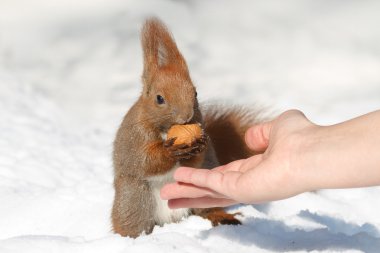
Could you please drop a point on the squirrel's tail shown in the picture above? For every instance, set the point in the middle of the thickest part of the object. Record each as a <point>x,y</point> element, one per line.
<point>226,127</point>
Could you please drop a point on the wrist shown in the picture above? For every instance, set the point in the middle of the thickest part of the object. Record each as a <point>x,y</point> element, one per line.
<point>307,157</point>
<point>344,155</point>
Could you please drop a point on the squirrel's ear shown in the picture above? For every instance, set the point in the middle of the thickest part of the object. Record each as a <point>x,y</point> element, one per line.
<point>160,50</point>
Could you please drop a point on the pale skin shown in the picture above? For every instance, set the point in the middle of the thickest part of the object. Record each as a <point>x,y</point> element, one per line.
<point>298,156</point>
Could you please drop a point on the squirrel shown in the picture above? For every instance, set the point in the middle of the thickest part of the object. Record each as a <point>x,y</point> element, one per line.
<point>144,160</point>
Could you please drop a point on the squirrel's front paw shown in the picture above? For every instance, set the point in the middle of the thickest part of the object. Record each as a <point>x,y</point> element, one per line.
<point>185,151</point>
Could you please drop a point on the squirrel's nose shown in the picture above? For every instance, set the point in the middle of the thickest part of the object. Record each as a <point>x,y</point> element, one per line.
<point>182,119</point>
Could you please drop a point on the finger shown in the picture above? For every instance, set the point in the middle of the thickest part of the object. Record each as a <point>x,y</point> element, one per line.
<point>251,163</point>
<point>182,190</point>
<point>257,136</point>
<point>232,166</point>
<point>181,152</point>
<point>241,165</point>
<point>223,183</point>
<point>179,147</point>
<point>204,202</point>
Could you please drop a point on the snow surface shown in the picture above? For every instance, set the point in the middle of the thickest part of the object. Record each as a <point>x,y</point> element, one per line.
<point>69,70</point>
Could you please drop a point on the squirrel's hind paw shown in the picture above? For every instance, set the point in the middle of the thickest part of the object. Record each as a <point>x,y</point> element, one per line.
<point>218,216</point>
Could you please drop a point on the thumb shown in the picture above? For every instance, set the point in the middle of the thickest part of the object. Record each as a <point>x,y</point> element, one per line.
<point>257,136</point>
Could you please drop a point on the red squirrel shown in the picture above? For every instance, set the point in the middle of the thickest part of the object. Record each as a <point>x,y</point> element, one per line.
<point>144,160</point>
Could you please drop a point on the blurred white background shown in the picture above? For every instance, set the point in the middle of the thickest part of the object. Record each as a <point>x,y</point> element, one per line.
<point>320,56</point>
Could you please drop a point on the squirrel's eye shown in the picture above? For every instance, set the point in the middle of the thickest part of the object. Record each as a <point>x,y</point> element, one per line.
<point>196,94</point>
<point>160,100</point>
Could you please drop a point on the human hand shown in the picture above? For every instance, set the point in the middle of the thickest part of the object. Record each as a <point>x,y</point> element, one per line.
<point>269,176</point>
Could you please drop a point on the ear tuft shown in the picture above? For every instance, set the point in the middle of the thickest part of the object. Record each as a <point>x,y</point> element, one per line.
<point>159,48</point>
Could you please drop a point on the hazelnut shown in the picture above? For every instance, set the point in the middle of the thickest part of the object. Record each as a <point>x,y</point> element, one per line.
<point>185,134</point>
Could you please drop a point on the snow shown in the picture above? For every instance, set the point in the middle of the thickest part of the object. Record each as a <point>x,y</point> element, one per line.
<point>69,70</point>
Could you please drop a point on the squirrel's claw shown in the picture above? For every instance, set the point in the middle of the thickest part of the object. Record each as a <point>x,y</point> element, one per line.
<point>204,138</point>
<point>169,142</point>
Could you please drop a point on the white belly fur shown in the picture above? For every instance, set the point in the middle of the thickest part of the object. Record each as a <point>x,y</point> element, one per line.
<point>163,214</point>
